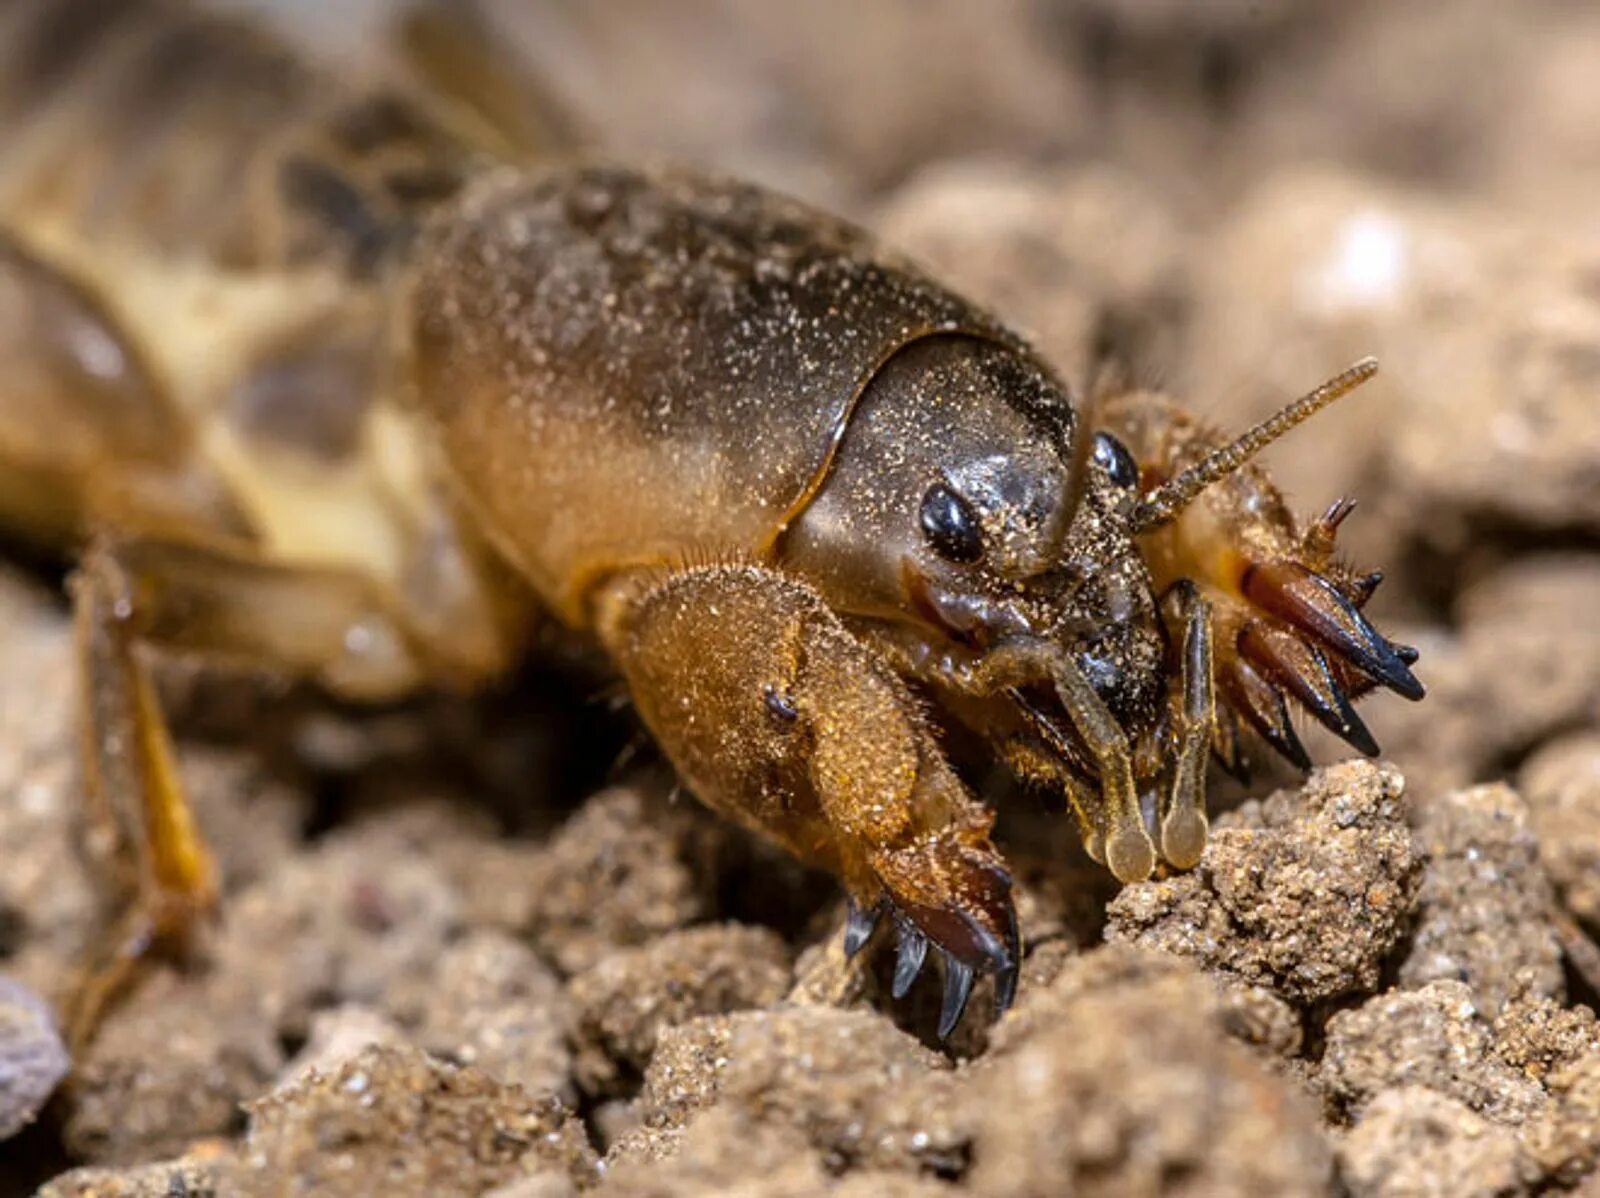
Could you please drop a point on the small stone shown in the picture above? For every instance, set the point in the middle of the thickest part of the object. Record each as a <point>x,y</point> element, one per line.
<point>724,1150</point>
<point>618,873</point>
<point>1066,255</point>
<point>627,1000</point>
<point>1562,785</point>
<point>1434,1037</point>
<point>538,1185</point>
<point>1413,1142</point>
<point>345,922</point>
<point>1538,1036</point>
<point>1565,1140</point>
<point>337,1035</point>
<point>32,1057</point>
<point>191,1177</point>
<point>405,1123</point>
<point>1131,1086</point>
<point>490,1002</point>
<point>855,1087</point>
<point>171,1064</point>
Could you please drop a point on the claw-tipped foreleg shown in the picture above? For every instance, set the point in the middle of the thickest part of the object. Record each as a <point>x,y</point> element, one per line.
<point>802,732</point>
<point>1295,629</point>
<point>957,898</point>
<point>1288,620</point>
<point>1326,608</point>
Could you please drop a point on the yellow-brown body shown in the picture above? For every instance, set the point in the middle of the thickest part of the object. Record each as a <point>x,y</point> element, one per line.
<point>351,381</point>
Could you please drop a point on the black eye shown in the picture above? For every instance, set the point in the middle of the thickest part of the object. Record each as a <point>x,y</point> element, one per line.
<point>1113,457</point>
<point>951,525</point>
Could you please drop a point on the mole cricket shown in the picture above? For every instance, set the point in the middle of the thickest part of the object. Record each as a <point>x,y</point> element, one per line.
<point>359,382</point>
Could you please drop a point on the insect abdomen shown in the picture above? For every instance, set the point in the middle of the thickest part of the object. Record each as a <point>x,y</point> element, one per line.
<point>199,135</point>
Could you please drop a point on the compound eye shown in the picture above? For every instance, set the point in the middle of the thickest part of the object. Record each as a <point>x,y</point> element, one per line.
<point>951,525</point>
<point>1113,457</point>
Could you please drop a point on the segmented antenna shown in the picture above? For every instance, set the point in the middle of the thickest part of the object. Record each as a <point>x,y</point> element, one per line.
<point>1171,497</point>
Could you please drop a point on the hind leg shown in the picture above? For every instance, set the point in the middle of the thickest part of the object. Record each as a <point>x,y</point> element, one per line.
<point>86,431</point>
<point>223,602</point>
<point>92,451</point>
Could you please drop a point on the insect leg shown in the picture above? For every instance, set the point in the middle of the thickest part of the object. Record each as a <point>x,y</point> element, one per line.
<point>153,854</point>
<point>222,601</point>
<point>1116,831</point>
<point>1288,619</point>
<point>778,716</point>
<point>1183,817</point>
<point>1128,851</point>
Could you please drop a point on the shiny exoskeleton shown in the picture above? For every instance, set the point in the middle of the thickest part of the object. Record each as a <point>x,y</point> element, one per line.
<point>355,382</point>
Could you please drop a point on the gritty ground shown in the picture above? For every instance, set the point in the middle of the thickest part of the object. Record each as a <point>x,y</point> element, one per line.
<point>451,959</point>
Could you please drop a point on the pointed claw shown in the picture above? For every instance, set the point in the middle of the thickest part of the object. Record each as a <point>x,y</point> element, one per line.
<point>910,953</point>
<point>859,926</point>
<point>1347,724</point>
<point>1227,744</point>
<point>1264,709</point>
<point>958,979</point>
<point>1366,586</point>
<point>1008,968</point>
<point>1309,601</point>
<point>1319,538</point>
<point>974,926</point>
<point>1005,989</point>
<point>1303,671</point>
<point>1338,512</point>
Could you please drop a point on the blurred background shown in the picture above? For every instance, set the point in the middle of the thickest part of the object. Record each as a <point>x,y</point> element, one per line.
<point>1237,197</point>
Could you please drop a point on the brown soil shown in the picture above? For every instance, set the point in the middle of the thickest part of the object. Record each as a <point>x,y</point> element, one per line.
<point>440,971</point>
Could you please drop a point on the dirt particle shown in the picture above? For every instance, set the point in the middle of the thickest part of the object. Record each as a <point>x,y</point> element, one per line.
<point>404,1122</point>
<point>1305,893</point>
<point>1562,784</point>
<point>1417,1143</point>
<point>1132,1087</point>
<point>1482,913</point>
<point>625,1002</point>
<point>1435,1037</point>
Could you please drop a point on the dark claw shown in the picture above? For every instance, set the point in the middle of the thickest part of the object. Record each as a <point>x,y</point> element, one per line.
<point>1007,971</point>
<point>1339,716</point>
<point>860,925</point>
<point>1367,585</point>
<point>1349,725</point>
<point>1233,764</point>
<point>1227,744</point>
<point>1406,653</point>
<point>1264,708</point>
<point>975,934</point>
<point>958,979</point>
<point>1304,672</point>
<point>1005,989</point>
<point>1280,734</point>
<point>1308,601</point>
<point>911,951</point>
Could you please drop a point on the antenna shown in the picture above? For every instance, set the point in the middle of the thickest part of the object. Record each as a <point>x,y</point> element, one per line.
<point>1168,500</point>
